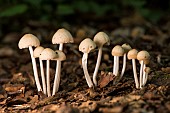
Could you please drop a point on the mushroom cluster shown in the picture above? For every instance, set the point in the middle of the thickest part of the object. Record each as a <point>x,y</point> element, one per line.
<point>29,41</point>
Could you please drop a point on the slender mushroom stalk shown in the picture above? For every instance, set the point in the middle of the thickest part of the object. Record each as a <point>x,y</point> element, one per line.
<point>117,51</point>
<point>132,55</point>
<point>48,54</point>
<point>61,57</point>
<point>86,46</point>
<point>37,52</point>
<point>147,71</point>
<point>27,41</point>
<point>143,57</point>
<point>60,37</point>
<point>100,39</point>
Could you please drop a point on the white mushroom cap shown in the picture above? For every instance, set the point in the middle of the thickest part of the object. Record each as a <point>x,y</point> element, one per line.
<point>87,45</point>
<point>147,70</point>
<point>62,36</point>
<point>37,51</point>
<point>48,54</point>
<point>28,40</point>
<point>126,47</point>
<point>132,54</point>
<point>143,55</point>
<point>117,51</point>
<point>101,38</point>
<point>61,55</point>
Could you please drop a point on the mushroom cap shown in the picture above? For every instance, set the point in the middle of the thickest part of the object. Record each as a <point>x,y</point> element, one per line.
<point>87,45</point>
<point>147,70</point>
<point>132,54</point>
<point>62,36</point>
<point>143,55</point>
<point>117,51</point>
<point>61,55</point>
<point>48,54</point>
<point>126,47</point>
<point>28,40</point>
<point>37,51</point>
<point>101,38</point>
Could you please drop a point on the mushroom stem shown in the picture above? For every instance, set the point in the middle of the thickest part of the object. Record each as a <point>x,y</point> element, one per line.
<point>97,66</point>
<point>84,65</point>
<point>114,65</point>
<point>57,73</point>
<point>141,72</point>
<point>135,73</point>
<point>124,66</point>
<point>42,76</point>
<point>34,65</point>
<point>48,78</point>
<point>144,74</point>
<point>117,66</point>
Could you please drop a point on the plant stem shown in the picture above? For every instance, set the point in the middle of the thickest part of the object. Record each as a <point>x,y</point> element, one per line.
<point>43,77</point>
<point>141,73</point>
<point>34,65</point>
<point>135,73</point>
<point>48,78</point>
<point>117,66</point>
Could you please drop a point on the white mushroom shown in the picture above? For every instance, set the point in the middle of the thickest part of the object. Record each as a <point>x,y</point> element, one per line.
<point>117,51</point>
<point>143,57</point>
<point>61,57</point>
<point>37,52</point>
<point>27,41</point>
<point>132,55</point>
<point>86,46</point>
<point>147,71</point>
<point>48,54</point>
<point>100,39</point>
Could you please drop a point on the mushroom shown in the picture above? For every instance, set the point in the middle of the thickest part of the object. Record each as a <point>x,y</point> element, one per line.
<point>48,54</point>
<point>86,46</point>
<point>27,41</point>
<point>132,55</point>
<point>143,57</point>
<point>37,52</point>
<point>117,51</point>
<point>147,71</point>
<point>61,57</point>
<point>100,39</point>
<point>60,37</point>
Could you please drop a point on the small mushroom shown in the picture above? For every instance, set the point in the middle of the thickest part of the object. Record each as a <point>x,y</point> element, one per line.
<point>61,57</point>
<point>48,54</point>
<point>29,41</point>
<point>132,55</point>
<point>37,52</point>
<point>117,51</point>
<point>147,71</point>
<point>100,39</point>
<point>86,46</point>
<point>143,57</point>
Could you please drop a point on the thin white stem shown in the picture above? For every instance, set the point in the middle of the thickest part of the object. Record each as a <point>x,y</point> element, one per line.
<point>43,76</point>
<point>97,66</point>
<point>57,78</point>
<point>146,78</point>
<point>117,66</point>
<point>124,66</point>
<point>84,65</point>
<point>57,73</point>
<point>48,78</point>
<point>144,74</point>
<point>141,73</point>
<point>135,73</point>
<point>34,65</point>
<point>114,65</point>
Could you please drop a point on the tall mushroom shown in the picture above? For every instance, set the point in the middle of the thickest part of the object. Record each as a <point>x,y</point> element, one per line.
<point>48,54</point>
<point>29,41</point>
<point>61,57</point>
<point>100,39</point>
<point>60,37</point>
<point>86,46</point>
<point>132,55</point>
<point>37,52</point>
<point>117,51</point>
<point>143,57</point>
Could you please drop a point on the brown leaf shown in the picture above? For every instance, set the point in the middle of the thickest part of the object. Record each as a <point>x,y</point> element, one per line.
<point>117,109</point>
<point>106,77</point>
<point>14,88</point>
<point>166,69</point>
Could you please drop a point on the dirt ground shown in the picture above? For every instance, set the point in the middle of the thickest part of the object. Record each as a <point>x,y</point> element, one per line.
<point>18,91</point>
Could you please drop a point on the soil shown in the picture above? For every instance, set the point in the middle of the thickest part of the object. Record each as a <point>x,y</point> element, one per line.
<point>18,91</point>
